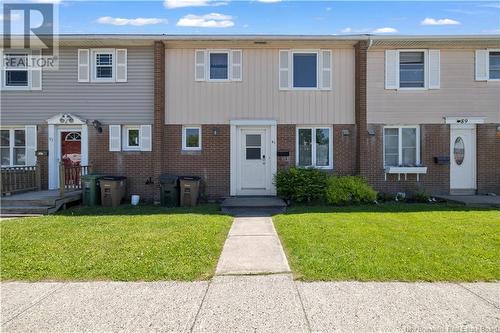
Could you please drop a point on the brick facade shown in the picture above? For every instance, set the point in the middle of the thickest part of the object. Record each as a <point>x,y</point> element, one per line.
<point>488,158</point>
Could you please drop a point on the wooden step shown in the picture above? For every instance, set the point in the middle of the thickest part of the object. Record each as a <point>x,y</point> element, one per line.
<point>24,210</point>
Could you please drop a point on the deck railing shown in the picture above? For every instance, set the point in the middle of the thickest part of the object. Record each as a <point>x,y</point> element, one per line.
<point>20,179</point>
<point>70,177</point>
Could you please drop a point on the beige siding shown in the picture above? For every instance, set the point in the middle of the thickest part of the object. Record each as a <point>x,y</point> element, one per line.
<point>460,94</point>
<point>130,102</point>
<point>257,96</point>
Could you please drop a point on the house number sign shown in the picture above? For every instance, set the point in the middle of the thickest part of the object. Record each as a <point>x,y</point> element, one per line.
<point>462,121</point>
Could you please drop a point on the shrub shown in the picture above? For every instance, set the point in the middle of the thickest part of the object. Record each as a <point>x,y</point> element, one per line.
<point>348,190</point>
<point>301,185</point>
<point>421,196</point>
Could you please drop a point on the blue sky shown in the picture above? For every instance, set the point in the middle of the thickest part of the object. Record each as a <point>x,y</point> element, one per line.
<point>279,17</point>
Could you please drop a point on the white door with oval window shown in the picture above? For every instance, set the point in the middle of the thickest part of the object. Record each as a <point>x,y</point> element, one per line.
<point>463,159</point>
<point>254,165</point>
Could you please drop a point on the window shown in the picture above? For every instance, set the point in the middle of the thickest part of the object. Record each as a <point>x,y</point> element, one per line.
<point>131,138</point>
<point>191,138</point>
<point>16,70</point>
<point>494,65</point>
<point>314,147</point>
<point>13,147</point>
<point>253,143</point>
<point>103,65</point>
<point>402,146</point>
<point>412,69</point>
<point>219,65</point>
<point>305,71</point>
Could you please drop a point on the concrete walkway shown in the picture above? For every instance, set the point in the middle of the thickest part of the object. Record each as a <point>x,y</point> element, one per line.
<point>251,292</point>
<point>252,247</point>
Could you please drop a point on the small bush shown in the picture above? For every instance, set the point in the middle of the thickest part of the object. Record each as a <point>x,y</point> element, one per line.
<point>349,190</point>
<point>301,185</point>
<point>421,196</point>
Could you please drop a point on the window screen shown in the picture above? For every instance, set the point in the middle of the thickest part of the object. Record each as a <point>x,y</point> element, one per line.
<point>305,70</point>
<point>219,66</point>
<point>411,70</point>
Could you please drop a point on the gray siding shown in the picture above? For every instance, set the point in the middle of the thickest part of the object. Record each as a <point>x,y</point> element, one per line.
<point>110,103</point>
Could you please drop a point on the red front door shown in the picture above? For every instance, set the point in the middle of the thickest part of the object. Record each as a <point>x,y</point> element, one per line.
<point>71,155</point>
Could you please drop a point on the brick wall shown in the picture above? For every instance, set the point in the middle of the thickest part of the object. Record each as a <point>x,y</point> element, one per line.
<point>158,114</point>
<point>211,163</point>
<point>43,161</point>
<point>488,158</point>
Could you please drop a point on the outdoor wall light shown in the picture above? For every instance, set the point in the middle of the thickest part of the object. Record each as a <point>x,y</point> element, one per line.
<point>97,125</point>
<point>371,132</point>
<point>215,131</point>
<point>345,132</point>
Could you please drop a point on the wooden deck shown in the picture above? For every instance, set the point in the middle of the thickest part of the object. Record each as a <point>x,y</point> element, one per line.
<point>37,202</point>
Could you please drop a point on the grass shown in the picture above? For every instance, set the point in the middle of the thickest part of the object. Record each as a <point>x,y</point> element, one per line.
<point>404,242</point>
<point>142,243</point>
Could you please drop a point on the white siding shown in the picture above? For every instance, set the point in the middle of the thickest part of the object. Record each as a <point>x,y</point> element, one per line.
<point>459,93</point>
<point>257,96</point>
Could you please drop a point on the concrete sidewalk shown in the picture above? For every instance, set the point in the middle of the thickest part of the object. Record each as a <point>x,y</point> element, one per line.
<point>267,303</point>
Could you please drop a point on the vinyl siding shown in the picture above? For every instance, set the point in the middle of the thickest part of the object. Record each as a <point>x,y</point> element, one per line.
<point>110,103</point>
<point>460,94</point>
<point>257,96</point>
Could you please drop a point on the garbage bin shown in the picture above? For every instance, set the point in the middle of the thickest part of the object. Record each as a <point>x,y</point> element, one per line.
<point>189,186</point>
<point>169,190</point>
<point>91,190</point>
<point>113,190</point>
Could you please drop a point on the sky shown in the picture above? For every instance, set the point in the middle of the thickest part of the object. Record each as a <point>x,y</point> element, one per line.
<point>278,17</point>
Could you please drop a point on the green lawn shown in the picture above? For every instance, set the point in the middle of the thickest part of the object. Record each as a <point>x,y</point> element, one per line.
<point>125,244</point>
<point>406,242</point>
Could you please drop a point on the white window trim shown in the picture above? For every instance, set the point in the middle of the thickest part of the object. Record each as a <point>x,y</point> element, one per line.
<point>184,141</point>
<point>125,130</point>
<point>313,160</point>
<point>488,65</point>
<point>228,52</point>
<point>290,62</point>
<point>400,143</point>
<point>4,70</point>
<point>12,145</point>
<point>426,69</point>
<point>93,76</point>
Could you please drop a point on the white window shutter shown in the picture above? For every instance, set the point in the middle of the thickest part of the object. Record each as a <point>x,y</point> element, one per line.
<point>391,69</point>
<point>115,142</point>
<point>236,65</point>
<point>285,65</point>
<point>199,65</point>
<point>434,69</point>
<point>325,69</point>
<point>83,65</point>
<point>145,137</point>
<point>482,65</point>
<point>121,65</point>
<point>36,73</point>
<point>31,138</point>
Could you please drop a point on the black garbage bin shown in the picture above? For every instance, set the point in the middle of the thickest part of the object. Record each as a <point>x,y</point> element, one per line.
<point>169,190</point>
<point>190,186</point>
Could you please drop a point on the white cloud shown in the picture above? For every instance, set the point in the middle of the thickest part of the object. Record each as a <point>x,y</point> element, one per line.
<point>491,5</point>
<point>350,30</point>
<point>13,17</point>
<point>212,20</point>
<point>269,1</point>
<point>346,30</point>
<point>444,21</point>
<point>192,3</point>
<point>55,2</point>
<point>139,21</point>
<point>385,30</point>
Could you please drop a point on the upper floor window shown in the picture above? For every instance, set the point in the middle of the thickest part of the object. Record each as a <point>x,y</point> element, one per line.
<point>494,65</point>
<point>17,71</point>
<point>102,65</point>
<point>305,69</point>
<point>219,65</point>
<point>402,146</point>
<point>314,147</point>
<point>13,147</point>
<point>412,69</point>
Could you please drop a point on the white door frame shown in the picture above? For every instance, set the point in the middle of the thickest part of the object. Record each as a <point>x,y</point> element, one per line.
<point>236,125</point>
<point>473,152</point>
<point>58,124</point>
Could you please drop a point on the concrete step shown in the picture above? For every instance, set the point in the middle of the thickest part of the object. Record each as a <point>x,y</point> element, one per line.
<point>25,210</point>
<point>253,205</point>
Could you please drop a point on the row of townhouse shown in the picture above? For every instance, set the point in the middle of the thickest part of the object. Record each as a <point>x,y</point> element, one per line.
<point>407,113</point>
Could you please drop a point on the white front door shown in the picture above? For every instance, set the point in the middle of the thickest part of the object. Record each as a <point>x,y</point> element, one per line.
<point>254,162</point>
<point>463,159</point>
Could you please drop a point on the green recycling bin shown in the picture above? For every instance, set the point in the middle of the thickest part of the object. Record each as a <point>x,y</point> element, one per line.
<point>91,191</point>
<point>169,190</point>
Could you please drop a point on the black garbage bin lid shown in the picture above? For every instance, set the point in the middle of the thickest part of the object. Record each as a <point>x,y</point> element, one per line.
<point>190,178</point>
<point>167,178</point>
<point>117,178</point>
